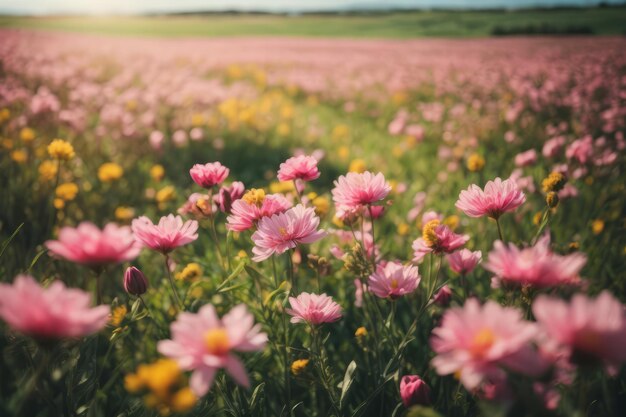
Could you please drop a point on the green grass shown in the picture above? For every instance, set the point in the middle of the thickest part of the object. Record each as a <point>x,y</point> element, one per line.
<point>412,24</point>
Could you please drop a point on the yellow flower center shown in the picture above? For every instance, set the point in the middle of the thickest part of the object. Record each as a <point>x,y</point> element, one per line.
<point>254,196</point>
<point>282,231</point>
<point>216,342</point>
<point>482,341</point>
<point>428,232</point>
<point>394,283</point>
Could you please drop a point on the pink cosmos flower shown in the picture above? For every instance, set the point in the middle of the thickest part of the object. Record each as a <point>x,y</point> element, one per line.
<point>299,167</point>
<point>580,150</point>
<point>313,309</point>
<point>537,265</point>
<point>88,245</point>
<point>285,231</point>
<point>464,261</point>
<point>437,238</point>
<point>590,330</point>
<point>203,343</point>
<point>244,215</point>
<point>443,296</point>
<point>354,190</point>
<point>476,341</point>
<point>166,236</point>
<point>208,175</point>
<point>393,280</point>
<point>414,391</point>
<point>526,158</point>
<point>55,312</point>
<point>498,198</point>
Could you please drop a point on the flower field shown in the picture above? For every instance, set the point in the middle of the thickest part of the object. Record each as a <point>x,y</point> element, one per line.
<point>312,227</point>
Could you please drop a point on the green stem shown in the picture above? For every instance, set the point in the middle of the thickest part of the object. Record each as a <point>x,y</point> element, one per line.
<point>179,304</point>
<point>369,208</point>
<point>295,187</point>
<point>320,362</point>
<point>499,229</point>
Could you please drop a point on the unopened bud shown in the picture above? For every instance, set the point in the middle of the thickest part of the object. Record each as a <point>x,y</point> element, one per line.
<point>135,281</point>
<point>414,391</point>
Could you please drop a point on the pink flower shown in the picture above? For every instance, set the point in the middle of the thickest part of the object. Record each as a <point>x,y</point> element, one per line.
<point>437,238</point>
<point>580,150</point>
<point>552,146</point>
<point>53,313</point>
<point>590,330</point>
<point>245,213</point>
<point>498,198</point>
<point>526,158</point>
<point>354,190</point>
<point>414,391</point>
<point>443,296</point>
<point>285,231</point>
<point>313,309</point>
<point>464,261</point>
<point>166,236</point>
<point>393,280</point>
<point>224,199</point>
<point>88,245</point>
<point>537,265</point>
<point>475,341</point>
<point>208,175</point>
<point>203,344</point>
<point>299,167</point>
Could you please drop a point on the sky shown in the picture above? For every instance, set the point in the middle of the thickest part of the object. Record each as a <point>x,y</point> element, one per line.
<point>41,7</point>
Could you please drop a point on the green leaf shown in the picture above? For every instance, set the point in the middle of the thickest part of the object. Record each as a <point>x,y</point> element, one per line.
<point>6,242</point>
<point>233,275</point>
<point>35,259</point>
<point>255,395</point>
<point>348,378</point>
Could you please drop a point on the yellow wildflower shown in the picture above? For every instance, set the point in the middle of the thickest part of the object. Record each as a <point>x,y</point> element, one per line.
<point>117,315</point>
<point>123,213</point>
<point>109,172</point>
<point>7,143</point>
<point>5,114</point>
<point>357,165</point>
<point>47,170</point>
<point>298,366</point>
<point>165,194</point>
<point>452,221</point>
<point>552,199</point>
<point>343,152</point>
<point>340,132</point>
<point>19,155</point>
<point>322,205</point>
<point>361,332</point>
<point>553,182</point>
<point>165,387</point>
<point>597,226</point>
<point>27,134</point>
<point>475,162</point>
<point>537,218</point>
<point>157,172</point>
<point>60,149</point>
<point>254,196</point>
<point>67,191</point>
<point>58,203</point>
<point>403,229</point>
<point>190,272</point>
<point>197,120</point>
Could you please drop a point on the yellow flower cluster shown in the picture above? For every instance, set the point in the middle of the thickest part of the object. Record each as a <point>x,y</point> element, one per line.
<point>67,191</point>
<point>109,172</point>
<point>117,315</point>
<point>165,194</point>
<point>190,272</point>
<point>27,134</point>
<point>19,155</point>
<point>254,196</point>
<point>553,182</point>
<point>123,213</point>
<point>157,172</point>
<point>298,366</point>
<point>164,387</point>
<point>357,165</point>
<point>60,149</point>
<point>475,162</point>
<point>428,232</point>
<point>47,170</point>
<point>320,203</point>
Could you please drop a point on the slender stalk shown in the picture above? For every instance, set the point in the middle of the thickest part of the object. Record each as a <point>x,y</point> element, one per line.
<point>369,209</point>
<point>290,274</point>
<point>216,241</point>
<point>287,362</point>
<point>318,351</point>
<point>295,186</point>
<point>499,229</point>
<point>179,304</point>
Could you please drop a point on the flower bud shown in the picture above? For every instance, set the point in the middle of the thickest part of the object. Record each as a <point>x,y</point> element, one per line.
<point>552,199</point>
<point>443,296</point>
<point>135,281</point>
<point>414,391</point>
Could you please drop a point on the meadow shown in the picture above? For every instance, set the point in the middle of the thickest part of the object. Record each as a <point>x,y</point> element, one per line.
<point>303,226</point>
